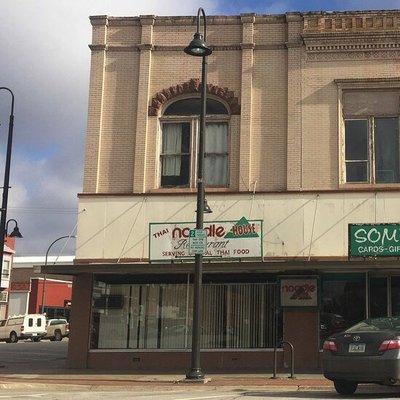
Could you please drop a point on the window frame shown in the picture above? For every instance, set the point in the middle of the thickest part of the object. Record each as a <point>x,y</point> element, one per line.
<point>194,121</point>
<point>346,84</point>
<point>371,170</point>
<point>3,274</point>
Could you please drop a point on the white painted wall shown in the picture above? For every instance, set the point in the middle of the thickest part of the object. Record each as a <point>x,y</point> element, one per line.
<point>113,227</point>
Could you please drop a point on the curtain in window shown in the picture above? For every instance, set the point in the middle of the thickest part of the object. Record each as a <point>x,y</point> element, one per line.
<point>216,158</point>
<point>171,149</point>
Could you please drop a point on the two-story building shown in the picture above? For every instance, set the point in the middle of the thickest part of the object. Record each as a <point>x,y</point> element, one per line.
<point>302,140</point>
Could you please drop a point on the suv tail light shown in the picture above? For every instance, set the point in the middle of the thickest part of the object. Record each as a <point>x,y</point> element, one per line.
<point>22,328</point>
<point>389,345</point>
<point>329,345</point>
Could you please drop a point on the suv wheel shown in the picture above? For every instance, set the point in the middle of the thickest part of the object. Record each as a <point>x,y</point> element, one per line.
<point>345,387</point>
<point>13,337</point>
<point>57,336</point>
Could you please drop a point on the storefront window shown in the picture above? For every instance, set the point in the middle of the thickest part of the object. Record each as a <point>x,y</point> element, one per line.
<point>159,316</point>
<point>342,302</point>
<point>378,297</point>
<point>395,283</point>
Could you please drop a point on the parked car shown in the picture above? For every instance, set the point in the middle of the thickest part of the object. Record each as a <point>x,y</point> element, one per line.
<point>57,329</point>
<point>29,326</point>
<point>368,352</point>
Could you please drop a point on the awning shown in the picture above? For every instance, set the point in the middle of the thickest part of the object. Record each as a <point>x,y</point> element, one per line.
<point>275,266</point>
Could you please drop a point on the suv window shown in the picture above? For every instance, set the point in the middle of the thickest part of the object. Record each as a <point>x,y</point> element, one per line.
<point>30,322</point>
<point>39,322</point>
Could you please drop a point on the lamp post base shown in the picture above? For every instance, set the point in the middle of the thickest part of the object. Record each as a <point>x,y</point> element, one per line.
<point>195,374</point>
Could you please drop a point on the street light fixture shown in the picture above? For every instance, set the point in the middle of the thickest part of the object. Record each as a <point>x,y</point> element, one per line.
<point>45,264</point>
<point>15,233</point>
<point>6,185</point>
<point>199,48</point>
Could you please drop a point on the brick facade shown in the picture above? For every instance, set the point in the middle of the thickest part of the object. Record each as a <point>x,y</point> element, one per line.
<point>282,69</point>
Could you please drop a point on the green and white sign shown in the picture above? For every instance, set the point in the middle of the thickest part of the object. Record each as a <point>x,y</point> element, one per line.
<point>218,240</point>
<point>197,241</point>
<point>374,240</point>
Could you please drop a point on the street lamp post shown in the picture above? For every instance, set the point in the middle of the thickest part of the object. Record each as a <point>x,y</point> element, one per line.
<point>6,180</point>
<point>198,48</point>
<point>45,264</point>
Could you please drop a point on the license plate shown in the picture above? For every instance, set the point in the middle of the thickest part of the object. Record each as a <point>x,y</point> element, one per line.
<point>357,348</point>
<point>34,334</point>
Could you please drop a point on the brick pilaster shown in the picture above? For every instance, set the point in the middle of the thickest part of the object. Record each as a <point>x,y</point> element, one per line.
<point>294,127</point>
<point>147,23</point>
<point>96,94</point>
<point>247,46</point>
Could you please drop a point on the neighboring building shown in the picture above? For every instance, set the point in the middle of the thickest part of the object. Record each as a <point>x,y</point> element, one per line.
<point>26,288</point>
<point>5,275</point>
<point>302,140</point>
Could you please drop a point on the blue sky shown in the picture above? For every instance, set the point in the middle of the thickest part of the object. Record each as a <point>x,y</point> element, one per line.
<point>45,61</point>
<point>257,6</point>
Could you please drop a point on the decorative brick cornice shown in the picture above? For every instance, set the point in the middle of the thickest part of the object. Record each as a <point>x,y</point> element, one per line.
<point>147,19</point>
<point>248,18</point>
<point>354,55</point>
<point>293,45</point>
<point>294,17</point>
<point>97,47</point>
<point>347,22</point>
<point>99,20</point>
<point>123,48</point>
<point>123,21</point>
<point>364,33</point>
<point>190,87</point>
<point>145,46</point>
<point>247,46</point>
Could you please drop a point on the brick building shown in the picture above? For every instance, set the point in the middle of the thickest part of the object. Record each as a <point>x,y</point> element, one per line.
<point>26,288</point>
<point>8,257</point>
<point>302,140</point>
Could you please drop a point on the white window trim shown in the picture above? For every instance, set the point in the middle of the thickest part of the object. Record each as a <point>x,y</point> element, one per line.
<point>353,84</point>
<point>194,121</point>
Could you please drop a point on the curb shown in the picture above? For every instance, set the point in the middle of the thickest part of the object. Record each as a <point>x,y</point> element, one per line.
<point>92,387</point>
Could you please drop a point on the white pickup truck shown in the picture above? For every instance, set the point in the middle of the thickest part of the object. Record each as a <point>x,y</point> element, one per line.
<point>57,329</point>
<point>29,326</point>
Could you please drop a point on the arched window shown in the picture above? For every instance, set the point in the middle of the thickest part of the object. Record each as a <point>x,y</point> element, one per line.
<point>180,129</point>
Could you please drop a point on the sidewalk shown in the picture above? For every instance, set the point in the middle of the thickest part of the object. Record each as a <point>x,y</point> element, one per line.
<point>103,379</point>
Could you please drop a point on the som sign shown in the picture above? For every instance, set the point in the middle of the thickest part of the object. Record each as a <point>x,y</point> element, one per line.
<point>299,292</point>
<point>374,240</point>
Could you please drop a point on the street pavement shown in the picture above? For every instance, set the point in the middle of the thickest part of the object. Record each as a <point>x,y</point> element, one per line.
<point>37,371</point>
<point>192,394</point>
<point>26,356</point>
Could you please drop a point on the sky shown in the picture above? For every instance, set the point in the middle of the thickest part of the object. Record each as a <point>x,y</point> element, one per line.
<point>44,59</point>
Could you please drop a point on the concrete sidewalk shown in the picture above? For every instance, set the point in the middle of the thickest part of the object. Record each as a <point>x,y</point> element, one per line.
<point>114,379</point>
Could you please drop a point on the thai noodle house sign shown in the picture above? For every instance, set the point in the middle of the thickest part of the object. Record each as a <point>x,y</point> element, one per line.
<point>225,240</point>
<point>374,240</point>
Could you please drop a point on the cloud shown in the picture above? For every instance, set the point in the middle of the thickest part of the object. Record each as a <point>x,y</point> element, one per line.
<point>45,61</point>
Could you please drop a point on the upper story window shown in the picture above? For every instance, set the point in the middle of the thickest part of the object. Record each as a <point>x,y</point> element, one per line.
<point>5,273</point>
<point>180,131</point>
<point>371,122</point>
